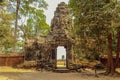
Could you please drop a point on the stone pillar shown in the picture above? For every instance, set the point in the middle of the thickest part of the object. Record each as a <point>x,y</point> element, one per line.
<point>68,56</point>
<point>56,57</point>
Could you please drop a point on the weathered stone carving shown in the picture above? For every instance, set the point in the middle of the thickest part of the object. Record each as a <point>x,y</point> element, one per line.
<point>61,18</point>
<point>57,36</point>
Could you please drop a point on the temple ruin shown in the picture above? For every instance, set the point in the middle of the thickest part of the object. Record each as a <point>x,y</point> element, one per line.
<point>57,36</point>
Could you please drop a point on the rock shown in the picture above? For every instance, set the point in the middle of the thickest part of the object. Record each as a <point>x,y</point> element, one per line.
<point>27,65</point>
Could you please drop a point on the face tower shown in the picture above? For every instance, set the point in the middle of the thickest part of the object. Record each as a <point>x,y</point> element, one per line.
<point>58,34</point>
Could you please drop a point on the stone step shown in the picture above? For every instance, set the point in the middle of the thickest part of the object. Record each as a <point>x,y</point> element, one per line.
<point>62,67</point>
<point>61,70</point>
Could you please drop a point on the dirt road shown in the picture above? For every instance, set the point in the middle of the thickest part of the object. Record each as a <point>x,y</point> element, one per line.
<point>53,76</point>
<point>8,73</point>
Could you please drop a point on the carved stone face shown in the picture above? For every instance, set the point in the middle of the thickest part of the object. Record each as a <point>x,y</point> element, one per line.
<point>61,17</point>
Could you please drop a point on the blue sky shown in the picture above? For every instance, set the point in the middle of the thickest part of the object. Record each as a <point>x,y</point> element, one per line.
<point>52,4</point>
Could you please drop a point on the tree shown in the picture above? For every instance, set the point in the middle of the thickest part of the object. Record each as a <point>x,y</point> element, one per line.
<point>91,25</point>
<point>36,20</point>
<point>1,0</point>
<point>16,25</point>
<point>29,18</point>
<point>115,26</point>
<point>110,65</point>
<point>95,20</point>
<point>6,37</point>
<point>118,48</point>
<point>63,57</point>
<point>32,21</point>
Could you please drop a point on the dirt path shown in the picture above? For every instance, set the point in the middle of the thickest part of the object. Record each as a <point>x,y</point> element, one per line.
<point>8,73</point>
<point>53,76</point>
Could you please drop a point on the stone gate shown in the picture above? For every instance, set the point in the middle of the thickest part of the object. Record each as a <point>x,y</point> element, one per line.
<point>46,47</point>
<point>58,35</point>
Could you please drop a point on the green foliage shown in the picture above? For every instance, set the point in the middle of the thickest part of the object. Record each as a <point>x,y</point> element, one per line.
<point>34,21</point>
<point>1,1</point>
<point>63,57</point>
<point>93,20</point>
<point>31,21</point>
<point>6,37</point>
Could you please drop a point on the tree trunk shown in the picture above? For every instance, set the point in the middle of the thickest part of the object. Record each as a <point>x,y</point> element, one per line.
<point>1,0</point>
<point>118,50</point>
<point>107,1</point>
<point>16,27</point>
<point>110,64</point>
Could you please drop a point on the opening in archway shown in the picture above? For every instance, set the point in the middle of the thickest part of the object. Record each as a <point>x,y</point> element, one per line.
<point>61,56</point>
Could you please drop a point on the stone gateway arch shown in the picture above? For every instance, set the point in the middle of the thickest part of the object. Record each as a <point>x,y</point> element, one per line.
<point>45,48</point>
<point>58,34</point>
